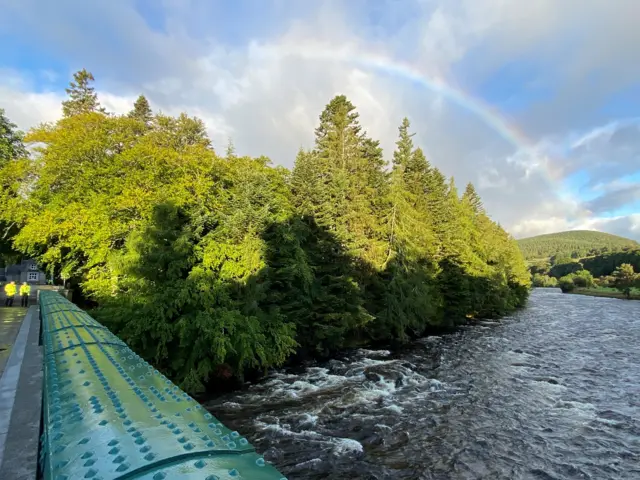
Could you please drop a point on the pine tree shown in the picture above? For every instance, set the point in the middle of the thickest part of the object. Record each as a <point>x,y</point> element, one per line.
<point>231,150</point>
<point>201,263</point>
<point>404,146</point>
<point>406,301</point>
<point>337,151</point>
<point>11,148</point>
<point>348,170</point>
<point>462,227</point>
<point>11,145</point>
<point>438,208</point>
<point>141,110</point>
<point>82,96</point>
<point>473,199</point>
<point>307,184</point>
<point>401,200</point>
<point>417,172</point>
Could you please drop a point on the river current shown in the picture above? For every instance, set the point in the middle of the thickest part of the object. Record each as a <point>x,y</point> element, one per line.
<point>552,392</point>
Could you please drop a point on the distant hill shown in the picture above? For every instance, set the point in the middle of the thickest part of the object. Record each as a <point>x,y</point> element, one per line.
<point>575,243</point>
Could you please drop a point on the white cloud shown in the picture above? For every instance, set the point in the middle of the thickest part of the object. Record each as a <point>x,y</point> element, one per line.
<point>23,106</point>
<point>624,225</point>
<point>267,93</point>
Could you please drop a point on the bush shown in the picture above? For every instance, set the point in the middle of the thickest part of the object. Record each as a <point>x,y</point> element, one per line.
<point>583,279</point>
<point>566,283</point>
<point>540,280</point>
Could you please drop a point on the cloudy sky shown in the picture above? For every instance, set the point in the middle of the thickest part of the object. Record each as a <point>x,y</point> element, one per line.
<point>537,103</point>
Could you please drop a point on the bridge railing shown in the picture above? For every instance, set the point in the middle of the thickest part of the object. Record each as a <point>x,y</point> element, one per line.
<point>108,414</point>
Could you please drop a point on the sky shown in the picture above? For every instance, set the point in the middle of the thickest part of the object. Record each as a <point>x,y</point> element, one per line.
<point>536,103</point>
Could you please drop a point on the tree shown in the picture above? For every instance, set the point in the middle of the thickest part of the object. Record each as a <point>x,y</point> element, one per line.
<point>82,96</point>
<point>11,145</point>
<point>11,149</point>
<point>405,299</point>
<point>540,280</point>
<point>625,279</point>
<point>231,150</point>
<point>348,168</point>
<point>205,265</point>
<point>142,110</point>
<point>583,279</point>
<point>473,199</point>
<point>566,283</point>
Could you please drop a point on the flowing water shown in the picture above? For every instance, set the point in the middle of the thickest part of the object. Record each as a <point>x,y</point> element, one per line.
<point>552,392</point>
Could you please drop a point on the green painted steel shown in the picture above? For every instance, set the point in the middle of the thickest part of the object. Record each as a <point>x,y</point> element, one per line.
<point>108,414</point>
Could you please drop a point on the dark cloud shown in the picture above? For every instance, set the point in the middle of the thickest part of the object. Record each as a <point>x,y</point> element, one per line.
<point>615,199</point>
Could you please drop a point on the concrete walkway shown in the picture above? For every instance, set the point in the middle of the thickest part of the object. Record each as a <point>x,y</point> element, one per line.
<point>10,321</point>
<point>20,393</point>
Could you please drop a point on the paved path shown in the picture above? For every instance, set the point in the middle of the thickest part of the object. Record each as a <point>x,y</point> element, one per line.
<point>10,321</point>
<point>20,393</point>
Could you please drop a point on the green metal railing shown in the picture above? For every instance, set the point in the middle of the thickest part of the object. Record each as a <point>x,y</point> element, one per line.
<point>108,414</point>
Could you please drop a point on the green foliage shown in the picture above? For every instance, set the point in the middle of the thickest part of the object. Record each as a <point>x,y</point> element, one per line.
<point>572,244</point>
<point>599,267</point>
<point>562,269</point>
<point>566,283</point>
<point>11,151</point>
<point>11,145</point>
<point>606,281</point>
<point>206,264</point>
<point>583,279</point>
<point>82,96</point>
<point>625,279</point>
<point>541,280</point>
<point>579,279</point>
<point>473,199</point>
<point>605,264</point>
<point>142,110</point>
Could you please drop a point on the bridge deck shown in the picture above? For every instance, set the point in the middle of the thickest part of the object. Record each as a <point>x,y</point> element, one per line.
<point>10,321</point>
<point>83,405</point>
<point>20,395</point>
<point>108,414</point>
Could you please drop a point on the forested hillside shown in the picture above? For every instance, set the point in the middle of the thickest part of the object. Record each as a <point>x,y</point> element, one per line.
<point>584,260</point>
<point>211,265</point>
<point>572,244</point>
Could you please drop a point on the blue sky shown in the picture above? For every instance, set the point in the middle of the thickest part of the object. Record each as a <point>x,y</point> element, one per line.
<point>565,74</point>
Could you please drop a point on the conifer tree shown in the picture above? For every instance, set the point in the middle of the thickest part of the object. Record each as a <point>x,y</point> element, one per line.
<point>11,145</point>
<point>308,184</point>
<point>231,150</point>
<point>337,150</point>
<point>473,199</point>
<point>203,264</point>
<point>438,208</point>
<point>82,96</point>
<point>407,302</point>
<point>11,148</point>
<point>142,110</point>
<point>349,169</point>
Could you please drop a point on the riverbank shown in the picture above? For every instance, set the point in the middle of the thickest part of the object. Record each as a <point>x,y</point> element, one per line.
<point>605,292</point>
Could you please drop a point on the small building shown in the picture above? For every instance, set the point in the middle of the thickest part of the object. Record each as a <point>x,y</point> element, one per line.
<point>25,271</point>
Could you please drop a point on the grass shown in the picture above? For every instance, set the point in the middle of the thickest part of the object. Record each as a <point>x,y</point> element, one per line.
<point>606,292</point>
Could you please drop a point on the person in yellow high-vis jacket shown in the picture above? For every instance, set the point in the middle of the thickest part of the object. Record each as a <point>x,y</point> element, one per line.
<point>25,291</point>
<point>10,292</point>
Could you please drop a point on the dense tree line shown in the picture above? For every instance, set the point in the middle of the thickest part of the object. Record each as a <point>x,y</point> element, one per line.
<point>563,246</point>
<point>208,265</point>
<point>597,265</point>
<point>606,264</point>
<point>615,269</point>
<point>624,278</point>
<point>11,147</point>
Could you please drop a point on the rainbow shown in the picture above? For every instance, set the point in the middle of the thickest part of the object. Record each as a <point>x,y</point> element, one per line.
<point>437,84</point>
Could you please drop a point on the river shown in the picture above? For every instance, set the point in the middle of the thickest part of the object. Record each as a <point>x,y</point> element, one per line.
<point>552,392</point>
